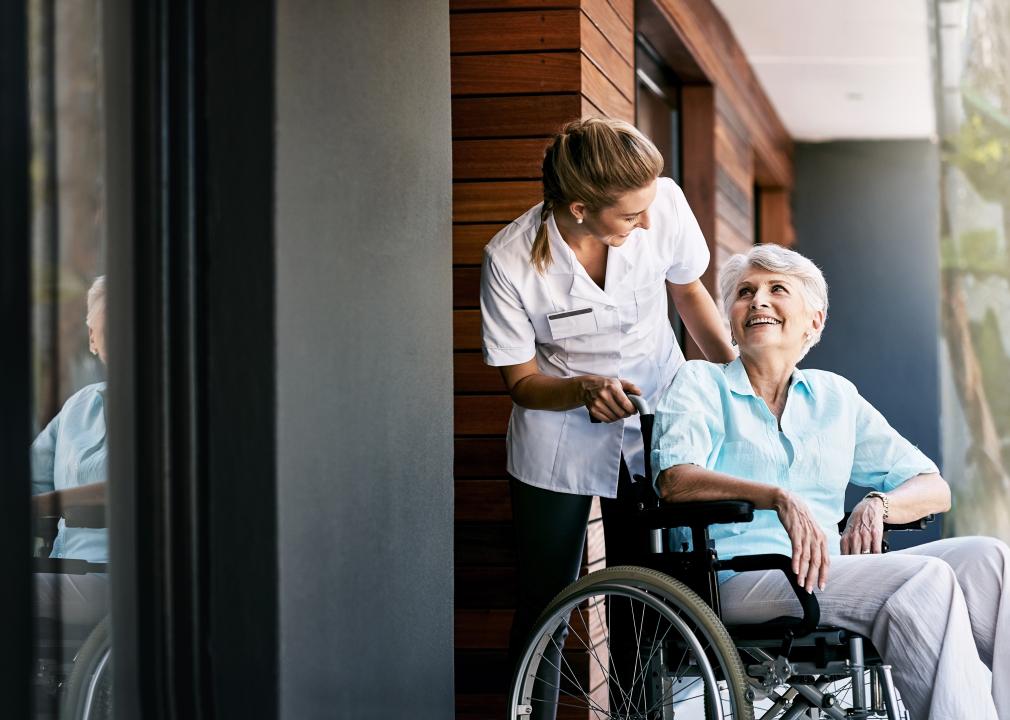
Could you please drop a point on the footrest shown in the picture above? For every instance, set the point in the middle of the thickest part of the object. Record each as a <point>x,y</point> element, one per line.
<point>695,514</point>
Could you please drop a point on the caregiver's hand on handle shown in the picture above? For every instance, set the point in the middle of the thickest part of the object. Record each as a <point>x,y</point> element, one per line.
<point>606,398</point>
<point>810,545</point>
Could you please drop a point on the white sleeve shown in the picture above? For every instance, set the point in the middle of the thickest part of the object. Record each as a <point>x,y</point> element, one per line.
<point>689,255</point>
<point>507,335</point>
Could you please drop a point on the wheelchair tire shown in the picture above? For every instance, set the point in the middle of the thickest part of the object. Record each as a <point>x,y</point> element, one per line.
<point>87,694</point>
<point>678,642</point>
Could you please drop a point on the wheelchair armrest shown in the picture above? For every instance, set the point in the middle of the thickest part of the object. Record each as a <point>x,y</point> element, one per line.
<point>67,566</point>
<point>811,608</point>
<point>85,516</point>
<point>695,514</point>
<point>919,524</point>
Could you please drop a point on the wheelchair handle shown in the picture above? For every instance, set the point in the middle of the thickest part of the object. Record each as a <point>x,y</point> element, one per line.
<point>640,403</point>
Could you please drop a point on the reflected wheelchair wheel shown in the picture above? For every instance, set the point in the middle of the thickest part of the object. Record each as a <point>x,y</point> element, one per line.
<point>632,644</point>
<point>88,691</point>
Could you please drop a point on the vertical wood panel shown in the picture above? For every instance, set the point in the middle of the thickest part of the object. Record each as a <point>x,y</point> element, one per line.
<point>625,9</point>
<point>599,89</point>
<point>698,138</point>
<point>776,217</point>
<point>606,57</point>
<point>602,14</point>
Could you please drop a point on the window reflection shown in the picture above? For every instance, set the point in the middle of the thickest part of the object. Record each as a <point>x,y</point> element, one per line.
<point>69,453</point>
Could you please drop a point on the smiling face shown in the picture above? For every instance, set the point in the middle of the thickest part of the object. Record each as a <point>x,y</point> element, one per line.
<point>613,224</point>
<point>770,315</point>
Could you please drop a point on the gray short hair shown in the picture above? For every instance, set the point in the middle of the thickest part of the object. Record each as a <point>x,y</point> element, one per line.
<point>96,300</point>
<point>778,259</point>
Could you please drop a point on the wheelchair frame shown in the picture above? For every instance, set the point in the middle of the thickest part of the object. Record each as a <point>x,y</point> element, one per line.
<point>795,653</point>
<point>81,687</point>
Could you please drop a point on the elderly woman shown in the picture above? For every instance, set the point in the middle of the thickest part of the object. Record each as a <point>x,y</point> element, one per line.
<point>790,441</point>
<point>69,468</point>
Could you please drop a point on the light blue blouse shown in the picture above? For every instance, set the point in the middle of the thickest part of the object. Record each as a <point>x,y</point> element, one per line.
<point>71,452</point>
<point>831,436</point>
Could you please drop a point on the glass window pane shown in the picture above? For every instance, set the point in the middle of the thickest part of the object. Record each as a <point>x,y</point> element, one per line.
<point>69,452</point>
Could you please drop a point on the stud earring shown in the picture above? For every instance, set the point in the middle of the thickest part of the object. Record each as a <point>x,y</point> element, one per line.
<point>578,220</point>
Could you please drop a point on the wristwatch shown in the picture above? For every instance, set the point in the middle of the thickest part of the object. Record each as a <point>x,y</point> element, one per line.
<point>885,501</point>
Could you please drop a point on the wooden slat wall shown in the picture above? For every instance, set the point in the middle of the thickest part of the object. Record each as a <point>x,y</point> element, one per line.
<point>520,69</point>
<point>734,158</point>
<point>733,140</point>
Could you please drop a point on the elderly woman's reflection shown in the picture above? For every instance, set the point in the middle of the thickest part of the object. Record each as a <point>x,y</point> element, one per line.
<point>69,462</point>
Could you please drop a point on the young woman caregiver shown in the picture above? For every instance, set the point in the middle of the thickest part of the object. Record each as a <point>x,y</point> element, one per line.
<point>574,315</point>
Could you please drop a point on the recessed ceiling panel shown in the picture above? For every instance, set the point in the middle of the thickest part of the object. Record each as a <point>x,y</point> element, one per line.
<point>841,69</point>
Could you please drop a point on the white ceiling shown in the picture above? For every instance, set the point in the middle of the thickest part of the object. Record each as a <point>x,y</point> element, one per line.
<point>841,69</point>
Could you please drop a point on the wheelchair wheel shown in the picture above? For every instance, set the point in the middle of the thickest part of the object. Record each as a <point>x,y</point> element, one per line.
<point>634,644</point>
<point>88,691</point>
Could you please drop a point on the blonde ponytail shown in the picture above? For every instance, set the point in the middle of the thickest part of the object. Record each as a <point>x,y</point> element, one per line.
<point>540,255</point>
<point>592,161</point>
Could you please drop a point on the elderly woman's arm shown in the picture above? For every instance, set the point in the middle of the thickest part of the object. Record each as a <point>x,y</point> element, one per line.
<point>53,503</point>
<point>915,498</point>
<point>691,483</point>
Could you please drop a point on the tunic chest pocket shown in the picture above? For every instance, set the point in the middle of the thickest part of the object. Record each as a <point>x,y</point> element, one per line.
<point>569,323</point>
<point>647,299</point>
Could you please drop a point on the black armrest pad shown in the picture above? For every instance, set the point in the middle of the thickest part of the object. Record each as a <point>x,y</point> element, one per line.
<point>688,514</point>
<point>64,566</point>
<point>811,608</point>
<point>919,524</point>
<point>85,516</point>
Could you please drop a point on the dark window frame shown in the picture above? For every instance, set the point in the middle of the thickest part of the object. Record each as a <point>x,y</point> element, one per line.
<point>190,107</point>
<point>15,364</point>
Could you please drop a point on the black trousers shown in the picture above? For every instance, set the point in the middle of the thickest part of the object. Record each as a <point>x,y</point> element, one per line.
<point>550,533</point>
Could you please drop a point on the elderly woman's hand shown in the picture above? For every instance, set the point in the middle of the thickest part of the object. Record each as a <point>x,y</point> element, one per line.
<point>810,545</point>
<point>864,532</point>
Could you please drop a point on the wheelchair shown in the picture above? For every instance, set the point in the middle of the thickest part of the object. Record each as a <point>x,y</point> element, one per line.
<point>73,664</point>
<point>647,642</point>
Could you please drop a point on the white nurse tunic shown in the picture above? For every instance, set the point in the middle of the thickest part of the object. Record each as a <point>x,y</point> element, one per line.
<point>574,327</point>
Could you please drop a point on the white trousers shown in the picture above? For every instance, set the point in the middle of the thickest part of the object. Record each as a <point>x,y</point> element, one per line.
<point>939,614</point>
